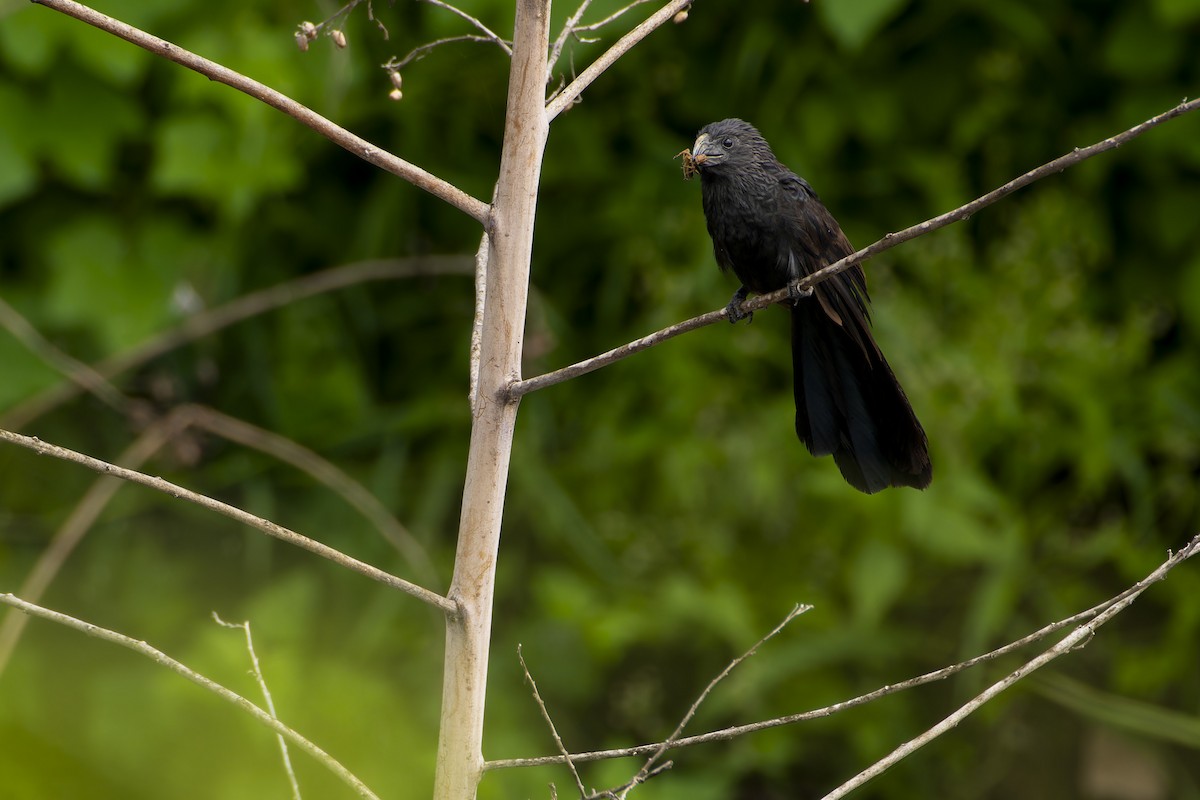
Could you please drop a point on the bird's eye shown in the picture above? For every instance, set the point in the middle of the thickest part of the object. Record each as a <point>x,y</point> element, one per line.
<point>728,143</point>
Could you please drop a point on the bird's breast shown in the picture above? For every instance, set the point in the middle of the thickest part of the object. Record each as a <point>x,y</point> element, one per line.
<point>747,238</point>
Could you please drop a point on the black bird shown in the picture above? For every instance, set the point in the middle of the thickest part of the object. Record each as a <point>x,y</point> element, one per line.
<point>769,227</point>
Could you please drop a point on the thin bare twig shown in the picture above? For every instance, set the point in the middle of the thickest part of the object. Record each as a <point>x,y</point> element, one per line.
<point>158,657</point>
<point>573,29</point>
<point>86,378</point>
<point>78,523</point>
<point>211,321</point>
<point>487,32</point>
<point>222,425</point>
<point>523,387</point>
<point>266,526</point>
<point>256,670</point>
<point>567,97</point>
<point>648,769</point>
<point>371,16</point>
<point>620,12</point>
<point>726,734</point>
<point>360,147</point>
<point>419,52</point>
<point>393,65</point>
<point>567,29</point>
<point>550,723</point>
<point>322,470</point>
<point>674,737</point>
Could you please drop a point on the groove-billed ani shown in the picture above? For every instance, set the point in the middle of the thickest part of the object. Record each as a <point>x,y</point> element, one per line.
<point>769,227</point>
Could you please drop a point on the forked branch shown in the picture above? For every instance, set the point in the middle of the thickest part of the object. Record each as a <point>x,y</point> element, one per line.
<point>1084,619</point>
<point>486,35</point>
<point>571,92</point>
<point>1076,639</point>
<point>644,772</point>
<point>573,28</point>
<point>651,768</point>
<point>541,704</point>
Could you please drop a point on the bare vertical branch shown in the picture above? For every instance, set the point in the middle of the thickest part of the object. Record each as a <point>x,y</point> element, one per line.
<point>510,234</point>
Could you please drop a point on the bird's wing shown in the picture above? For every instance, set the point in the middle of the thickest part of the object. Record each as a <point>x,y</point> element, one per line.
<point>815,240</point>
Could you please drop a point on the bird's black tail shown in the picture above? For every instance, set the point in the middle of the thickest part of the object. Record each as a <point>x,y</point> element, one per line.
<point>850,405</point>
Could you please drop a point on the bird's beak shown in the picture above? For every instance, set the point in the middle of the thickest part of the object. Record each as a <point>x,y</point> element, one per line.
<point>703,152</point>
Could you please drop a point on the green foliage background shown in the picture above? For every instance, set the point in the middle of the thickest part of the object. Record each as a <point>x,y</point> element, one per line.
<point>661,516</point>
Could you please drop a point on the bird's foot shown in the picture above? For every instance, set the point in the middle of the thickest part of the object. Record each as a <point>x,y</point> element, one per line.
<point>734,309</point>
<point>796,294</point>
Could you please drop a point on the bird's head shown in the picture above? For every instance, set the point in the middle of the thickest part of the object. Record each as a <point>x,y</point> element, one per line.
<point>727,146</point>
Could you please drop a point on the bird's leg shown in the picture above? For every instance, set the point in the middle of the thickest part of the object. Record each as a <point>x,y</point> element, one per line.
<point>734,309</point>
<point>796,294</point>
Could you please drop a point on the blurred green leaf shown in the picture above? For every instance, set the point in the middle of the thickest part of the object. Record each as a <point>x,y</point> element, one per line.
<point>877,578</point>
<point>1138,48</point>
<point>101,283</point>
<point>18,173</point>
<point>83,104</point>
<point>1144,719</point>
<point>203,155</point>
<point>854,23</point>
<point>1178,11</point>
